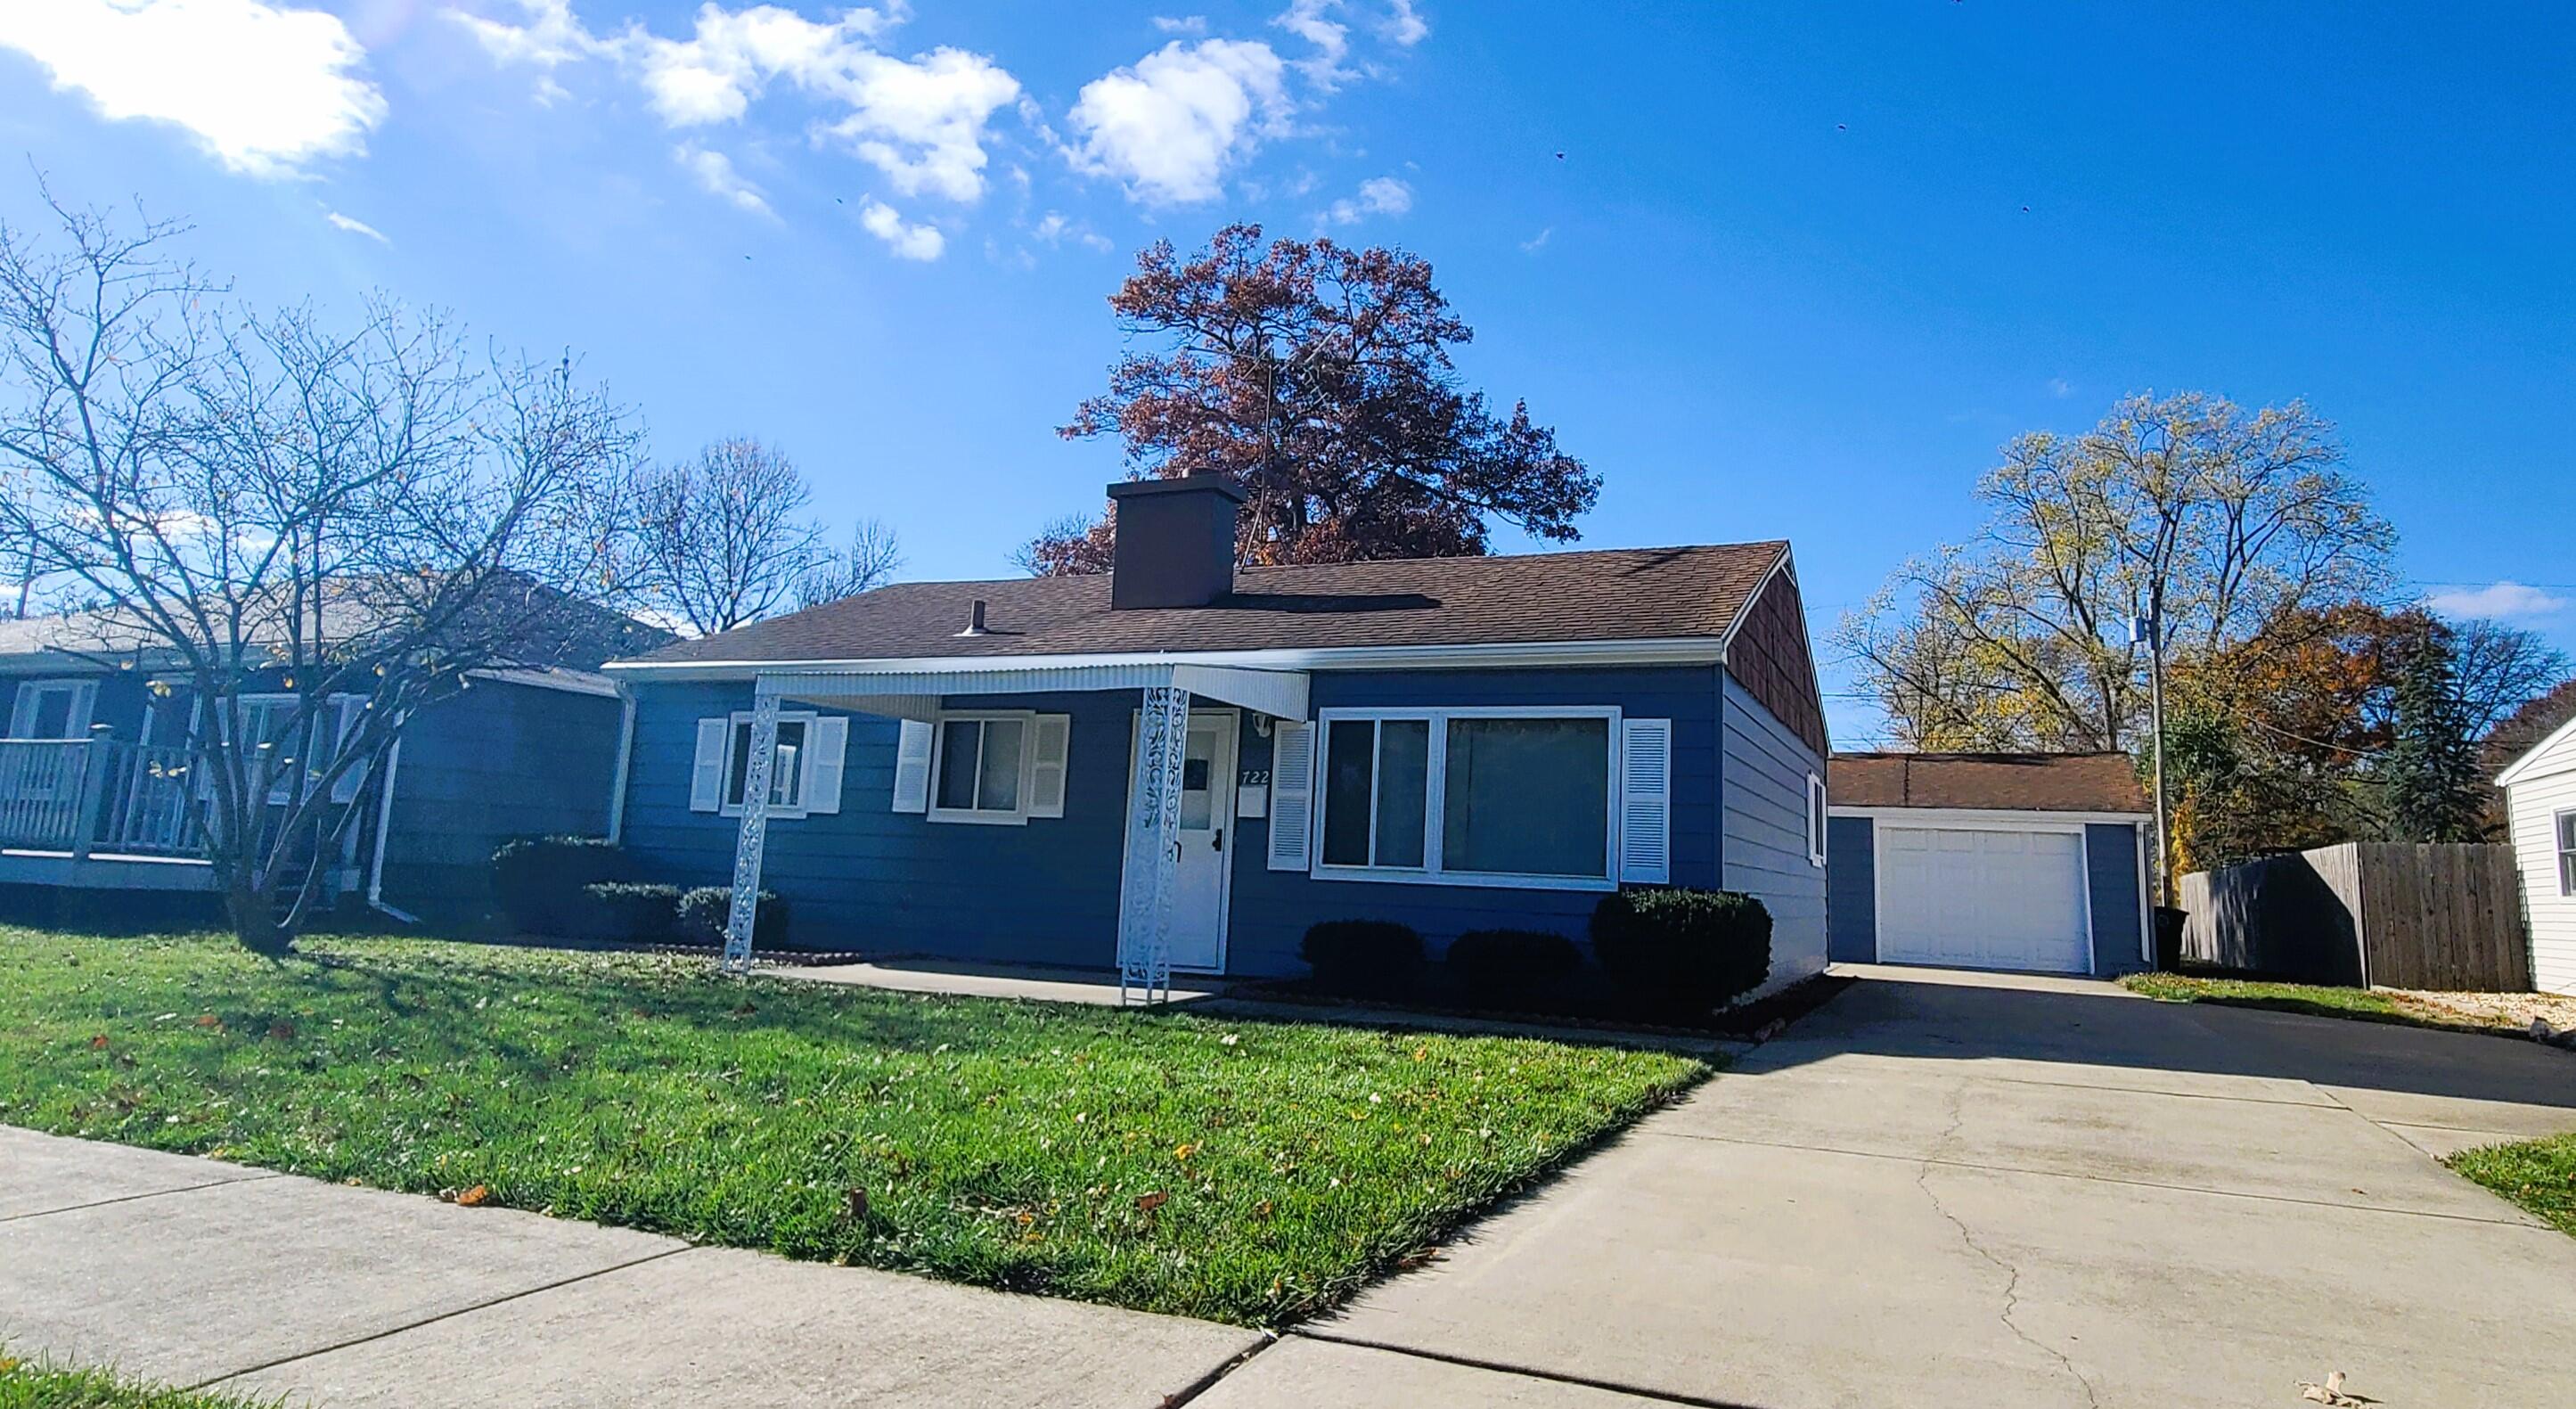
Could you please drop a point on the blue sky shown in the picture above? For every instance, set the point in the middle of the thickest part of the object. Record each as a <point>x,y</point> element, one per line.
<point>1773,270</point>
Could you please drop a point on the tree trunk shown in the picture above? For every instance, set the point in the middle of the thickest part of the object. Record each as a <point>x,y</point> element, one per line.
<point>254,919</point>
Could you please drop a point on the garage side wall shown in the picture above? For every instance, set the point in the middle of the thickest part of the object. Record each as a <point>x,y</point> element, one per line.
<point>2111,866</point>
<point>1851,890</point>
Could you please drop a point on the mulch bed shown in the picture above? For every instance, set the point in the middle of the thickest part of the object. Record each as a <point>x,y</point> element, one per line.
<point>1757,1021</point>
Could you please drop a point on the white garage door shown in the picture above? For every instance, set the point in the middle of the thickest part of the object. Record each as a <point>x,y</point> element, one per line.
<point>1981,899</point>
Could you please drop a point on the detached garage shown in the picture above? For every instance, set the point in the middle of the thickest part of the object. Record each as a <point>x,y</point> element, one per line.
<point>2033,861</point>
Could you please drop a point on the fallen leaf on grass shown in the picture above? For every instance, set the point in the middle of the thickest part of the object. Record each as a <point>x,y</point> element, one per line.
<point>210,1020</point>
<point>857,1205</point>
<point>1183,1152</point>
<point>1417,1257</point>
<point>1147,1203</point>
<point>98,1043</point>
<point>480,1193</point>
<point>281,1032</point>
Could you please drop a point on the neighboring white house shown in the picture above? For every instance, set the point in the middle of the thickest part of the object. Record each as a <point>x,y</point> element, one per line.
<point>2540,796</point>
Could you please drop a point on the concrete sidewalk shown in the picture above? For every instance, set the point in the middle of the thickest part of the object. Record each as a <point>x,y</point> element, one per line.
<point>200,1273</point>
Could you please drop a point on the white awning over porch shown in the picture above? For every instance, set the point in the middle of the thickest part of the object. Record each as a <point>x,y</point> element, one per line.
<point>912,692</point>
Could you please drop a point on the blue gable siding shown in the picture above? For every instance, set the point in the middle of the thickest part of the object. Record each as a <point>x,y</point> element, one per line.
<point>2111,866</point>
<point>1765,844</point>
<point>1851,889</point>
<point>1272,909</point>
<point>895,883</point>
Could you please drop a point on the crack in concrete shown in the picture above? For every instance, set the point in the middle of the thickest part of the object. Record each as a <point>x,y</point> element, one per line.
<point>2012,1274</point>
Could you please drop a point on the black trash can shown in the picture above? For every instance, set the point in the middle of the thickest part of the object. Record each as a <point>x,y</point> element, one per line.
<point>2169,922</point>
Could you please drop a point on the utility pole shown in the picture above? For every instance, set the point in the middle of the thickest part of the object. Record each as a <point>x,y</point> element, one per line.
<point>2153,628</point>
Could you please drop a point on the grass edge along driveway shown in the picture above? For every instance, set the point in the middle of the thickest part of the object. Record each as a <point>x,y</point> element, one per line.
<point>1240,1171</point>
<point>2315,1000</point>
<point>41,1383</point>
<point>2538,1176</point>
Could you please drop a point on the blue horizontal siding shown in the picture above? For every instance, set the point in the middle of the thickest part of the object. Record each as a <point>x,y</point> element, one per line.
<point>1765,844</point>
<point>1851,889</point>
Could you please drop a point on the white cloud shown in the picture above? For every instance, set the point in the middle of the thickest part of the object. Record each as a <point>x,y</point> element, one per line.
<point>1379,195</point>
<point>2501,601</point>
<point>264,87</point>
<point>356,227</point>
<point>1538,242</point>
<point>1404,25</point>
<point>1171,125</point>
<point>2060,388</point>
<point>1054,229</point>
<point>907,241</point>
<point>1332,40</point>
<point>715,174</point>
<point>922,121</point>
<point>1192,25</point>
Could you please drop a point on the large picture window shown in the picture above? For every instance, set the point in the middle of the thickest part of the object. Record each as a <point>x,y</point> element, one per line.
<point>1473,796</point>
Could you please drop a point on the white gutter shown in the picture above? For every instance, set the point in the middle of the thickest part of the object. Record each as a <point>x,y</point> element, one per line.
<point>384,829</point>
<point>625,761</point>
<point>1671,650</point>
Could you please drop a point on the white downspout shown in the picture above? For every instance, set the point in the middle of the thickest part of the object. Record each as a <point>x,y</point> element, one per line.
<point>384,829</point>
<point>625,759</point>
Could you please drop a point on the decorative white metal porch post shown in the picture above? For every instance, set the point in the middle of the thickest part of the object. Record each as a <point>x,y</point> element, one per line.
<point>1153,848</point>
<point>755,828</point>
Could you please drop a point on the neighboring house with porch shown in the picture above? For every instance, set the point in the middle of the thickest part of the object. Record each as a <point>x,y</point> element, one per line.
<point>1063,770</point>
<point>100,789</point>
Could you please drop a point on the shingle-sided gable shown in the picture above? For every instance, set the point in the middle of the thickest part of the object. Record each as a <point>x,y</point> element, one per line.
<point>1769,658</point>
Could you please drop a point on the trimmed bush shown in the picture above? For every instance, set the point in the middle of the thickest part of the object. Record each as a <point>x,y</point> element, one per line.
<point>538,881</point>
<point>628,911</point>
<point>1513,968</point>
<point>1369,958</point>
<point>705,911</point>
<point>1683,949</point>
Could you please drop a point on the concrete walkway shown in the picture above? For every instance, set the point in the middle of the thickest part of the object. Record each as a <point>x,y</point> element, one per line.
<point>1938,1190</point>
<point>1947,1189</point>
<point>1096,987</point>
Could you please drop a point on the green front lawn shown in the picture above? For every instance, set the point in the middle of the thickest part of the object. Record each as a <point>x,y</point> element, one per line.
<point>1244,1171</point>
<point>2363,1004</point>
<point>2540,1175</point>
<point>41,1384</point>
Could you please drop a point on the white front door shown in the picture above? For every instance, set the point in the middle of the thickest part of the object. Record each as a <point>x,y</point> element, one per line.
<point>1982,898</point>
<point>1207,842</point>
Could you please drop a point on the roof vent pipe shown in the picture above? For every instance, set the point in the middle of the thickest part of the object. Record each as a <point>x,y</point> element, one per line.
<point>974,619</point>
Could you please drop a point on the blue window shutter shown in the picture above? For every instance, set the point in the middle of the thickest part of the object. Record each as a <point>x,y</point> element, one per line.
<point>706,778</point>
<point>1646,801</point>
<point>1292,795</point>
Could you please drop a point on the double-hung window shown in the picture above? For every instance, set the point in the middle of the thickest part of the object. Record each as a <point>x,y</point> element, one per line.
<point>786,766</point>
<point>980,773</point>
<point>2567,853</point>
<point>1470,796</point>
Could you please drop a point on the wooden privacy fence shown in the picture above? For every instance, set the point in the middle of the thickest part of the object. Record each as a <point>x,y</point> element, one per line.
<point>2365,914</point>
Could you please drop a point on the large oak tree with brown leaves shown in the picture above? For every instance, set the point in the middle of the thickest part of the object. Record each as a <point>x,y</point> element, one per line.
<point>1320,379</point>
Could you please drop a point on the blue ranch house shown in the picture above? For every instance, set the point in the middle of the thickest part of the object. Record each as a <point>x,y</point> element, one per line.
<point>1181,765</point>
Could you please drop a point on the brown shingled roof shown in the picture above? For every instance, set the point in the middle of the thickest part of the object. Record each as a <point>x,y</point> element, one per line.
<point>1613,594</point>
<point>2020,782</point>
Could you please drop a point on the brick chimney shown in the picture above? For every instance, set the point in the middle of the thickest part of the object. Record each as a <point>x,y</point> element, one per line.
<point>1175,543</point>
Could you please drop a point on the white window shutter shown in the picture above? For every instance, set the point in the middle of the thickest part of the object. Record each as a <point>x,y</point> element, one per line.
<point>346,719</point>
<point>706,779</point>
<point>912,767</point>
<point>1646,801</point>
<point>1292,794</point>
<point>827,746</point>
<point>1050,739</point>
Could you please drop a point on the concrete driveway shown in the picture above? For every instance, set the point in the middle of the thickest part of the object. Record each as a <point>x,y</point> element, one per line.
<point>1948,1189</point>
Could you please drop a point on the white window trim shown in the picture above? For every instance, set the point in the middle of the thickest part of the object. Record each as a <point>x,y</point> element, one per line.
<point>1819,820</point>
<point>76,686</point>
<point>980,817</point>
<point>2562,843</point>
<point>281,787</point>
<point>741,719</point>
<point>1435,798</point>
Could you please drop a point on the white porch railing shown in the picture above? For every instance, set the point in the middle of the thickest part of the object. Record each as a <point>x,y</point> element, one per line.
<point>94,795</point>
